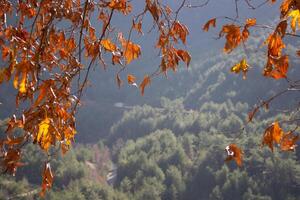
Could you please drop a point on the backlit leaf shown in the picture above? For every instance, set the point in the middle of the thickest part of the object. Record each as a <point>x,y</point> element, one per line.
<point>146,81</point>
<point>272,134</point>
<point>44,137</point>
<point>294,14</point>
<point>288,142</point>
<point>131,79</point>
<point>108,45</point>
<point>242,66</point>
<point>234,153</point>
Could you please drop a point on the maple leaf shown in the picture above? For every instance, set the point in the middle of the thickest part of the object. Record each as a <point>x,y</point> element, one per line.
<point>272,134</point>
<point>288,141</point>
<point>242,66</point>
<point>146,81</point>
<point>234,153</point>
<point>211,22</point>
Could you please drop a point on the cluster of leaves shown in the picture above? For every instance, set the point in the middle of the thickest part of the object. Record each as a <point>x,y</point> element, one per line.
<point>42,43</point>
<point>42,50</point>
<point>276,67</point>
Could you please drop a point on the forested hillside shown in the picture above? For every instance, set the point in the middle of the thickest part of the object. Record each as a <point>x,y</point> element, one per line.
<point>170,143</point>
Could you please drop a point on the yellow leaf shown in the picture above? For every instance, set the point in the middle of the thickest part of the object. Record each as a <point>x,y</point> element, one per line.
<point>294,14</point>
<point>43,136</point>
<point>242,66</point>
<point>108,45</point>
<point>22,86</point>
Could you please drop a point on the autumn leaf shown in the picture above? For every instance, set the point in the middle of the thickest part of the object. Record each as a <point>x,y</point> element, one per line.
<point>272,134</point>
<point>153,9</point>
<point>47,179</point>
<point>211,22</point>
<point>233,36</point>
<point>121,5</point>
<point>14,141</point>
<point>185,56</point>
<point>108,45</point>
<point>277,68</point>
<point>11,160</point>
<point>179,31</point>
<point>130,79</point>
<point>146,81</point>
<point>294,14</point>
<point>5,52</point>
<point>44,138</point>
<point>275,45</point>
<point>242,66</point>
<point>137,27</point>
<point>250,22</point>
<point>281,28</point>
<point>234,153</point>
<point>131,51</point>
<point>288,141</point>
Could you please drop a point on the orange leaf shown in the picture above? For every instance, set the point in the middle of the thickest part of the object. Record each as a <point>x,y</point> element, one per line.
<point>5,52</point>
<point>180,30</point>
<point>131,79</point>
<point>272,134</point>
<point>108,45</point>
<point>277,68</point>
<point>131,51</point>
<point>137,27</point>
<point>234,153</point>
<point>47,179</point>
<point>185,56</point>
<point>211,22</point>
<point>288,142</point>
<point>153,9</point>
<point>233,36</point>
<point>145,83</point>
<point>250,22</point>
